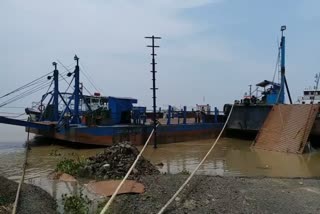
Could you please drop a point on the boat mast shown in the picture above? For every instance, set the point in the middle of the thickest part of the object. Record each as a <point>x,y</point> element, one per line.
<point>55,92</point>
<point>317,81</point>
<point>76,118</point>
<point>282,65</point>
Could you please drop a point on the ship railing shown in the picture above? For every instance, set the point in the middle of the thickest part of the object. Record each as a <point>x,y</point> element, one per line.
<point>185,117</point>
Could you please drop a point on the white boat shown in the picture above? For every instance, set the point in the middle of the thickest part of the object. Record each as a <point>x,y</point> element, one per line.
<point>311,95</point>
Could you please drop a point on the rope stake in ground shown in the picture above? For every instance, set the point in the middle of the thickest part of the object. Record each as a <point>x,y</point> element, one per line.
<point>14,210</point>
<point>106,207</point>
<point>196,169</point>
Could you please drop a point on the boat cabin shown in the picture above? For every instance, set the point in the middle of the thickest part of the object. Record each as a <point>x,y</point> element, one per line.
<point>267,93</point>
<point>309,97</point>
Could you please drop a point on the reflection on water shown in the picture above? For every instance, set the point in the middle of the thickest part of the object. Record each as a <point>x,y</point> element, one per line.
<point>233,157</point>
<point>229,158</point>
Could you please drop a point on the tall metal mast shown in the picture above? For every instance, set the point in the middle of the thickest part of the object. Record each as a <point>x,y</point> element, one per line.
<point>282,65</point>
<point>153,63</point>
<point>76,118</point>
<point>55,92</point>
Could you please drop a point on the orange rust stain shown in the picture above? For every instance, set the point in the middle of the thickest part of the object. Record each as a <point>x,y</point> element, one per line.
<point>287,128</point>
<point>107,188</point>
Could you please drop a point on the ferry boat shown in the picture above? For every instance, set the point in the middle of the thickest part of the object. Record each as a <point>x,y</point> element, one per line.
<point>104,120</point>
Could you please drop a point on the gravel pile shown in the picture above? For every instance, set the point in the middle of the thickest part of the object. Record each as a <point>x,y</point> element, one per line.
<point>32,198</point>
<point>210,194</point>
<point>115,162</point>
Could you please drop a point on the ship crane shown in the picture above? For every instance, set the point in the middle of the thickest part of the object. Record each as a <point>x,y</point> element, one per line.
<point>284,83</point>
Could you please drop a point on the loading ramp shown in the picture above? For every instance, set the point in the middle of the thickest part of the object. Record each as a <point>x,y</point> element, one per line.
<point>287,128</point>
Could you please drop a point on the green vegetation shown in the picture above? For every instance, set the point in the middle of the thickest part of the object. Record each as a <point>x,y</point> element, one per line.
<point>76,204</point>
<point>70,166</point>
<point>185,172</point>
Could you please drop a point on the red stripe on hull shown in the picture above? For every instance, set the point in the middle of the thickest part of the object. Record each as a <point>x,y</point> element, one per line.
<point>135,138</point>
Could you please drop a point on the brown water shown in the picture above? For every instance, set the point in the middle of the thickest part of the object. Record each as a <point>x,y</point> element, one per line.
<point>230,157</point>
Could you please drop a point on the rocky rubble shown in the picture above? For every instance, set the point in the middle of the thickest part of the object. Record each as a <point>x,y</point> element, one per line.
<point>115,162</point>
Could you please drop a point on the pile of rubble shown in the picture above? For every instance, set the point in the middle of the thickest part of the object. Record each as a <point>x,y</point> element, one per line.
<point>116,161</point>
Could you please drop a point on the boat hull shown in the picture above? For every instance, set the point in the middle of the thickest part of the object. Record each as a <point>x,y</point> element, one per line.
<point>108,135</point>
<point>246,121</point>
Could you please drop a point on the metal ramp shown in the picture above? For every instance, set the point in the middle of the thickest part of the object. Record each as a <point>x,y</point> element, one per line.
<point>287,128</point>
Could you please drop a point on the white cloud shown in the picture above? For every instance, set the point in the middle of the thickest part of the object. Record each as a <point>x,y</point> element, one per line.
<point>108,36</point>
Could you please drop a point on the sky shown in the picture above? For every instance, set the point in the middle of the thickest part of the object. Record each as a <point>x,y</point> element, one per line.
<point>210,50</point>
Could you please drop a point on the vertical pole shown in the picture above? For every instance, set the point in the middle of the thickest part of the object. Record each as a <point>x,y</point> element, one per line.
<point>76,119</point>
<point>250,92</point>
<point>153,46</point>
<point>282,65</point>
<point>216,113</point>
<point>169,115</point>
<point>184,114</point>
<point>154,95</point>
<point>55,93</point>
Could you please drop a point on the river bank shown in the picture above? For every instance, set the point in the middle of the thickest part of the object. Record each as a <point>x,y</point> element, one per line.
<point>204,194</point>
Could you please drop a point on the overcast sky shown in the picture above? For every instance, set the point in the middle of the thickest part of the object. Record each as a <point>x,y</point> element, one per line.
<point>211,50</point>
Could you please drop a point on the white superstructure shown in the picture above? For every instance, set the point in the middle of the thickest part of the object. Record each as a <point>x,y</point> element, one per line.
<point>311,95</point>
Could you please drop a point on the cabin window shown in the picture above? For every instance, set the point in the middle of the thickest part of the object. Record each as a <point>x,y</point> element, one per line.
<point>103,101</point>
<point>312,92</point>
<point>87,100</point>
<point>95,100</point>
<point>311,102</point>
<point>306,93</point>
<point>303,102</point>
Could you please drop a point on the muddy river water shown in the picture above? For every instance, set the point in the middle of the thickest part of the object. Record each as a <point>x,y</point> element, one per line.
<point>231,157</point>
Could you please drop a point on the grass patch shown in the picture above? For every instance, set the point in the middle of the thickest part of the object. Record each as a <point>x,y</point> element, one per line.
<point>185,172</point>
<point>76,204</point>
<point>70,166</point>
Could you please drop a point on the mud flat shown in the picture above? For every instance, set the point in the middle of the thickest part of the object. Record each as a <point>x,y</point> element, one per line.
<point>32,199</point>
<point>204,194</point>
<point>212,194</point>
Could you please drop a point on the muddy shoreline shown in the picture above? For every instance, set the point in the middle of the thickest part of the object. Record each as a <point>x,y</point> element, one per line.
<point>214,194</point>
<point>204,194</point>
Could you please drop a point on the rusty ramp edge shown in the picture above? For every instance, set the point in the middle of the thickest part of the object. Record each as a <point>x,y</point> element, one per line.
<point>287,128</point>
<point>107,188</point>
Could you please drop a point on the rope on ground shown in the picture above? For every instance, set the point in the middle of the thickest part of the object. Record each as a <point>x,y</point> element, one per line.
<point>15,205</point>
<point>105,208</point>
<point>196,169</point>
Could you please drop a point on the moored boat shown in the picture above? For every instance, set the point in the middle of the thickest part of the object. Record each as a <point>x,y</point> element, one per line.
<point>249,113</point>
<point>104,120</point>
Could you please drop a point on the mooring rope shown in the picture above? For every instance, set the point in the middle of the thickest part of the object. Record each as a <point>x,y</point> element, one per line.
<point>24,166</point>
<point>195,170</point>
<point>105,208</point>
